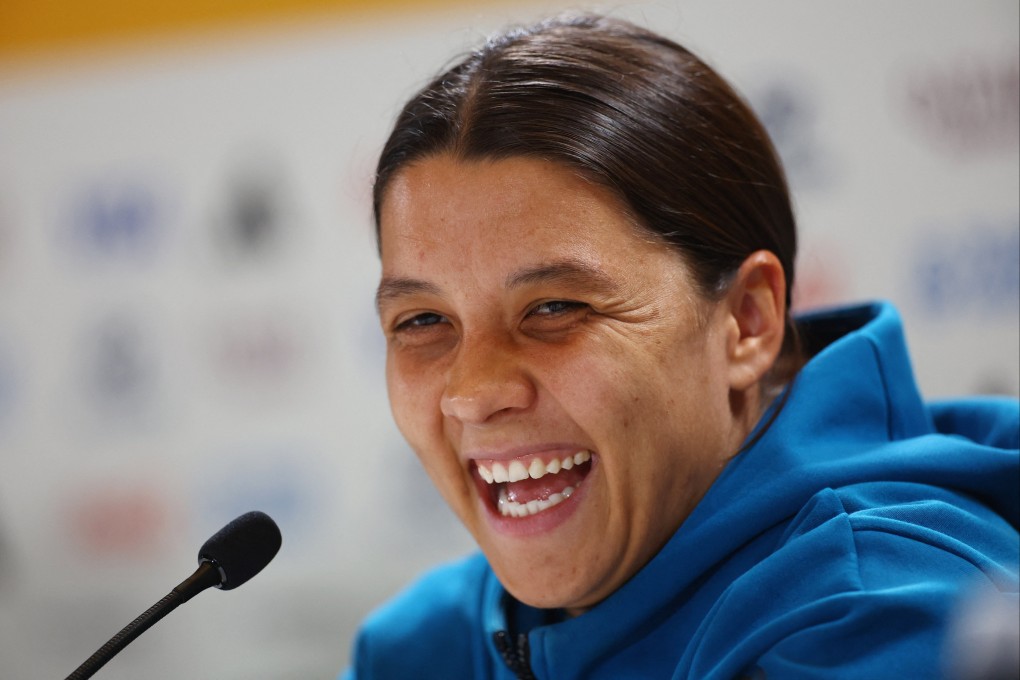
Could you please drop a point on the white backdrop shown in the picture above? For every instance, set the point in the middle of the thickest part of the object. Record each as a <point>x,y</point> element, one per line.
<point>187,272</point>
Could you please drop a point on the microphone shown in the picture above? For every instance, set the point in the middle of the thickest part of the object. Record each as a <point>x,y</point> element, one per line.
<point>227,560</point>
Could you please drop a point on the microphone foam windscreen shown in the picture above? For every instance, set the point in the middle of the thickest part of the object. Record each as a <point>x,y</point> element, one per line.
<point>242,548</point>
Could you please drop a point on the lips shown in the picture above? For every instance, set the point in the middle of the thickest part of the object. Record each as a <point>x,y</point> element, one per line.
<point>526,486</point>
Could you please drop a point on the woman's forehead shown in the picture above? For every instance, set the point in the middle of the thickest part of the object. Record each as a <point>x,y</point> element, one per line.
<point>515,202</point>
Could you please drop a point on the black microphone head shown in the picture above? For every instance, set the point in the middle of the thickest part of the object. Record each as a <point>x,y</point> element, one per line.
<point>242,548</point>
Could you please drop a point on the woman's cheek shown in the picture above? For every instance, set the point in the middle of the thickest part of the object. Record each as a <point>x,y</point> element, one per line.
<point>409,395</point>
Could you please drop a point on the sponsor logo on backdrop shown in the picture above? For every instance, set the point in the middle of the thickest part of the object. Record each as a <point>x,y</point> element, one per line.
<point>968,269</point>
<point>788,108</point>
<point>119,370</point>
<point>968,105</point>
<point>118,219</point>
<point>119,521</point>
<point>255,216</point>
<point>258,350</point>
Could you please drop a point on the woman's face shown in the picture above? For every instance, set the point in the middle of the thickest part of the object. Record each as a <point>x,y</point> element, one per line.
<point>554,369</point>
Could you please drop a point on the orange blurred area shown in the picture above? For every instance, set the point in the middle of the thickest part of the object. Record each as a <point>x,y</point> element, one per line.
<point>36,26</point>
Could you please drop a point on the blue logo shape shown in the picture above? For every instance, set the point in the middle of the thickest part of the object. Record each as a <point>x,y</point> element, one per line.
<point>974,269</point>
<point>117,219</point>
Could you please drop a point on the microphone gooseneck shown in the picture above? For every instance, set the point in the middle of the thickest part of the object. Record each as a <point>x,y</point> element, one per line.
<point>228,559</point>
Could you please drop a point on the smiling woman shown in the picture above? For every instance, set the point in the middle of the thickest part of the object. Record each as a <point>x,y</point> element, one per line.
<point>533,341</point>
<point>587,252</point>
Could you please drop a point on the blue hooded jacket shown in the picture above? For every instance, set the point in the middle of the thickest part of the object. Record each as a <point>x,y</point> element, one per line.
<point>839,544</point>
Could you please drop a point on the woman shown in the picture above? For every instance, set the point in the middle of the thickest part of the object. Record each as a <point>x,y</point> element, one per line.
<point>587,250</point>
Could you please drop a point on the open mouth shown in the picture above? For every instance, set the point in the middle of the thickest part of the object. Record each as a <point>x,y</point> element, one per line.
<point>527,486</point>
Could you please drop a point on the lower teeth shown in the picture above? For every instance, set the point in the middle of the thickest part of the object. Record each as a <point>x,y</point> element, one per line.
<point>509,508</point>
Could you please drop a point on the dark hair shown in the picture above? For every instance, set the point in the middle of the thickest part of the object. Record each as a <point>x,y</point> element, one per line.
<point>629,110</point>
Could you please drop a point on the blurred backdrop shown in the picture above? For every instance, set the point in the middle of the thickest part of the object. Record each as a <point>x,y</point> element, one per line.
<point>187,271</point>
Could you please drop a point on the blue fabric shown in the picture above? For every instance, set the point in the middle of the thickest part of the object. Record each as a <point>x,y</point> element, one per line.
<point>837,545</point>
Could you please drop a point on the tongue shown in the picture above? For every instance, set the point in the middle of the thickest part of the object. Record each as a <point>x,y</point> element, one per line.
<point>540,489</point>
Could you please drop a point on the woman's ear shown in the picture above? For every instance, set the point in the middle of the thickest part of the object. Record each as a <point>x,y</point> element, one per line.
<point>756,303</point>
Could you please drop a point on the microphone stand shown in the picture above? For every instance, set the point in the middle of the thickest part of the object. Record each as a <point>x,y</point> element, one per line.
<point>207,575</point>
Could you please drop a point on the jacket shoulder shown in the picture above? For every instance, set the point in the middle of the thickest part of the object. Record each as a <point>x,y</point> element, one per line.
<point>428,630</point>
<point>991,421</point>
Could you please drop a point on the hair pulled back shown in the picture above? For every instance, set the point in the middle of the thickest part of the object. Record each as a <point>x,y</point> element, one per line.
<point>627,109</point>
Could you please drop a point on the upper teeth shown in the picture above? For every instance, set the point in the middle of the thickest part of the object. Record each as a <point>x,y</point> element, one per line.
<point>515,471</point>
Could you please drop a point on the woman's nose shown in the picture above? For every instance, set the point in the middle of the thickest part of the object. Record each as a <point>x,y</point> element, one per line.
<point>485,379</point>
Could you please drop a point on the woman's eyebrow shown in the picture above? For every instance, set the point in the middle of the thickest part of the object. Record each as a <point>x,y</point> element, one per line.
<point>574,272</point>
<point>392,288</point>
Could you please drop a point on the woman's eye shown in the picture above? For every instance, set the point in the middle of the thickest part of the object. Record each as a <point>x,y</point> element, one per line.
<point>556,307</point>
<point>417,321</point>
